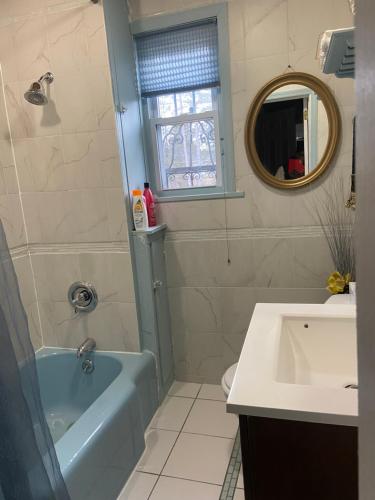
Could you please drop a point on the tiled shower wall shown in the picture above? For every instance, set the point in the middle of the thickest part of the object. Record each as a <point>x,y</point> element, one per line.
<point>276,249</point>
<point>12,218</point>
<point>70,185</point>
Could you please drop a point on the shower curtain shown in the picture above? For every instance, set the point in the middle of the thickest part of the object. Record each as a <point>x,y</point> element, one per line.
<point>29,469</point>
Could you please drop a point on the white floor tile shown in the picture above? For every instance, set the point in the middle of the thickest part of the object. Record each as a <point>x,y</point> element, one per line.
<point>211,418</point>
<point>138,487</point>
<point>184,389</point>
<point>158,446</point>
<point>172,413</point>
<point>199,458</point>
<point>239,495</point>
<point>240,479</point>
<point>211,391</point>
<point>169,488</point>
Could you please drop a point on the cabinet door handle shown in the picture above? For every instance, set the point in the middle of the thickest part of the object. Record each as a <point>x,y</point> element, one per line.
<point>157,284</point>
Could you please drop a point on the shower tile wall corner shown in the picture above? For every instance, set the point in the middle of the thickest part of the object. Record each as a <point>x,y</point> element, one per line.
<point>70,185</point>
<point>276,248</point>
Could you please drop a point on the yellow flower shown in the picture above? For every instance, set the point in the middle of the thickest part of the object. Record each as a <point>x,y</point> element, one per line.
<point>337,282</point>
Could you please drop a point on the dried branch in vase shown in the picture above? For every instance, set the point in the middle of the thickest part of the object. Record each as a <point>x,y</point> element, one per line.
<point>337,222</point>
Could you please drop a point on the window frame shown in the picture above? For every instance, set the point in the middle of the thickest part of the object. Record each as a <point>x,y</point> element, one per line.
<point>224,105</point>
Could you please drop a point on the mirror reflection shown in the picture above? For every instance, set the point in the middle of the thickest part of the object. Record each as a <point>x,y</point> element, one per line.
<point>291,132</point>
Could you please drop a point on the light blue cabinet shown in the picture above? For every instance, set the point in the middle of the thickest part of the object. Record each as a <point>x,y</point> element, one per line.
<point>147,248</point>
<point>155,329</point>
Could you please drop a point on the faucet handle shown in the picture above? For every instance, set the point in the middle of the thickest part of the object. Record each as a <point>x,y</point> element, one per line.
<point>82,296</point>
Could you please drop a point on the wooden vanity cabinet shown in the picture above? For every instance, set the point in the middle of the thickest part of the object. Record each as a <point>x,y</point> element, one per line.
<point>293,460</point>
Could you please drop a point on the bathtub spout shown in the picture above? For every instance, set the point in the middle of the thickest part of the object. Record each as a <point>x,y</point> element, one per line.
<point>87,346</point>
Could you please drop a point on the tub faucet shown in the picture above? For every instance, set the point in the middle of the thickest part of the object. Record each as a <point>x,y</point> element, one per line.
<point>87,345</point>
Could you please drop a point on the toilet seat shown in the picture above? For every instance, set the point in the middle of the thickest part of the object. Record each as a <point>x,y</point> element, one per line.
<point>227,380</point>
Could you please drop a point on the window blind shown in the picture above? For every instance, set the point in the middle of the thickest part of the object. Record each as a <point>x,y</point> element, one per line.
<point>179,59</point>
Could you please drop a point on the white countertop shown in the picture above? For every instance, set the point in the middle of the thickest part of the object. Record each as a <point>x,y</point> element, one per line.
<point>256,388</point>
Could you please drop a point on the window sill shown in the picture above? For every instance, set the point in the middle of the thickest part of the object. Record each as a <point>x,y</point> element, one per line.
<point>199,197</point>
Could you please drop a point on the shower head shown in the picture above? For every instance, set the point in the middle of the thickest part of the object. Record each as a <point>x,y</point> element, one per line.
<point>36,93</point>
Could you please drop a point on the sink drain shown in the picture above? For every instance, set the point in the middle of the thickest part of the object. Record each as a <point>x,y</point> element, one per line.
<point>351,386</point>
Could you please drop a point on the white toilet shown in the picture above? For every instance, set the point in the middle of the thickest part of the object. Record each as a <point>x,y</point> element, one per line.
<point>227,379</point>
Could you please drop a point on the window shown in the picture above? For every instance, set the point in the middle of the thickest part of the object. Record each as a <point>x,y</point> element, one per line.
<point>181,87</point>
<point>185,139</point>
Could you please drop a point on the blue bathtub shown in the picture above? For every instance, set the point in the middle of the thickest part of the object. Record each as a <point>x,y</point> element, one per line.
<point>97,419</point>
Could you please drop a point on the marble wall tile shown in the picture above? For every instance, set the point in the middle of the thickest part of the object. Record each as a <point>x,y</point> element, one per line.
<point>111,273</point>
<point>243,168</point>
<point>236,306</point>
<point>262,206</point>
<point>25,278</point>
<point>263,262</point>
<point>12,219</point>
<point>54,273</point>
<point>75,103</point>
<point>7,59</point>
<point>20,123</point>
<point>72,161</point>
<point>6,167</point>
<point>239,90</point>
<point>236,22</point>
<point>10,8</point>
<point>3,189</point>
<point>31,48</point>
<point>292,295</point>
<point>4,124</point>
<point>40,164</point>
<point>197,215</point>
<point>91,160</point>
<point>187,263</point>
<point>68,216</point>
<point>312,262</point>
<point>117,223</point>
<point>101,93</point>
<point>203,356</point>
<point>273,263</point>
<point>96,37</point>
<point>67,40</point>
<point>22,267</point>
<point>306,201</point>
<point>199,357</point>
<point>259,71</point>
<point>108,155</point>
<point>112,325</point>
<point>46,217</point>
<point>269,17</point>
<point>196,309</point>
<point>10,179</point>
<point>307,20</point>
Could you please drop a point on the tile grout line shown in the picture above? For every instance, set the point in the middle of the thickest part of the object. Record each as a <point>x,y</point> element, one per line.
<point>207,435</point>
<point>174,444</point>
<point>159,475</point>
<point>229,486</point>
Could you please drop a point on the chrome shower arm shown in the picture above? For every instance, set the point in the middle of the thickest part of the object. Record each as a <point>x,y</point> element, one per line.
<point>47,77</point>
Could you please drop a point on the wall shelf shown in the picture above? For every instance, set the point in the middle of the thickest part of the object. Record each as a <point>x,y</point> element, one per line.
<point>337,52</point>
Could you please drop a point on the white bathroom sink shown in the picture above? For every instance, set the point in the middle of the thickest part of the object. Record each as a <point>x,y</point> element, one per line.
<point>299,362</point>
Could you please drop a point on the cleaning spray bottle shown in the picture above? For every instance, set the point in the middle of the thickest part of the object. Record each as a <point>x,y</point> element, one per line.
<point>139,210</point>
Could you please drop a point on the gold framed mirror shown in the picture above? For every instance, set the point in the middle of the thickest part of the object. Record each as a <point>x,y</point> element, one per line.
<point>292,130</point>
